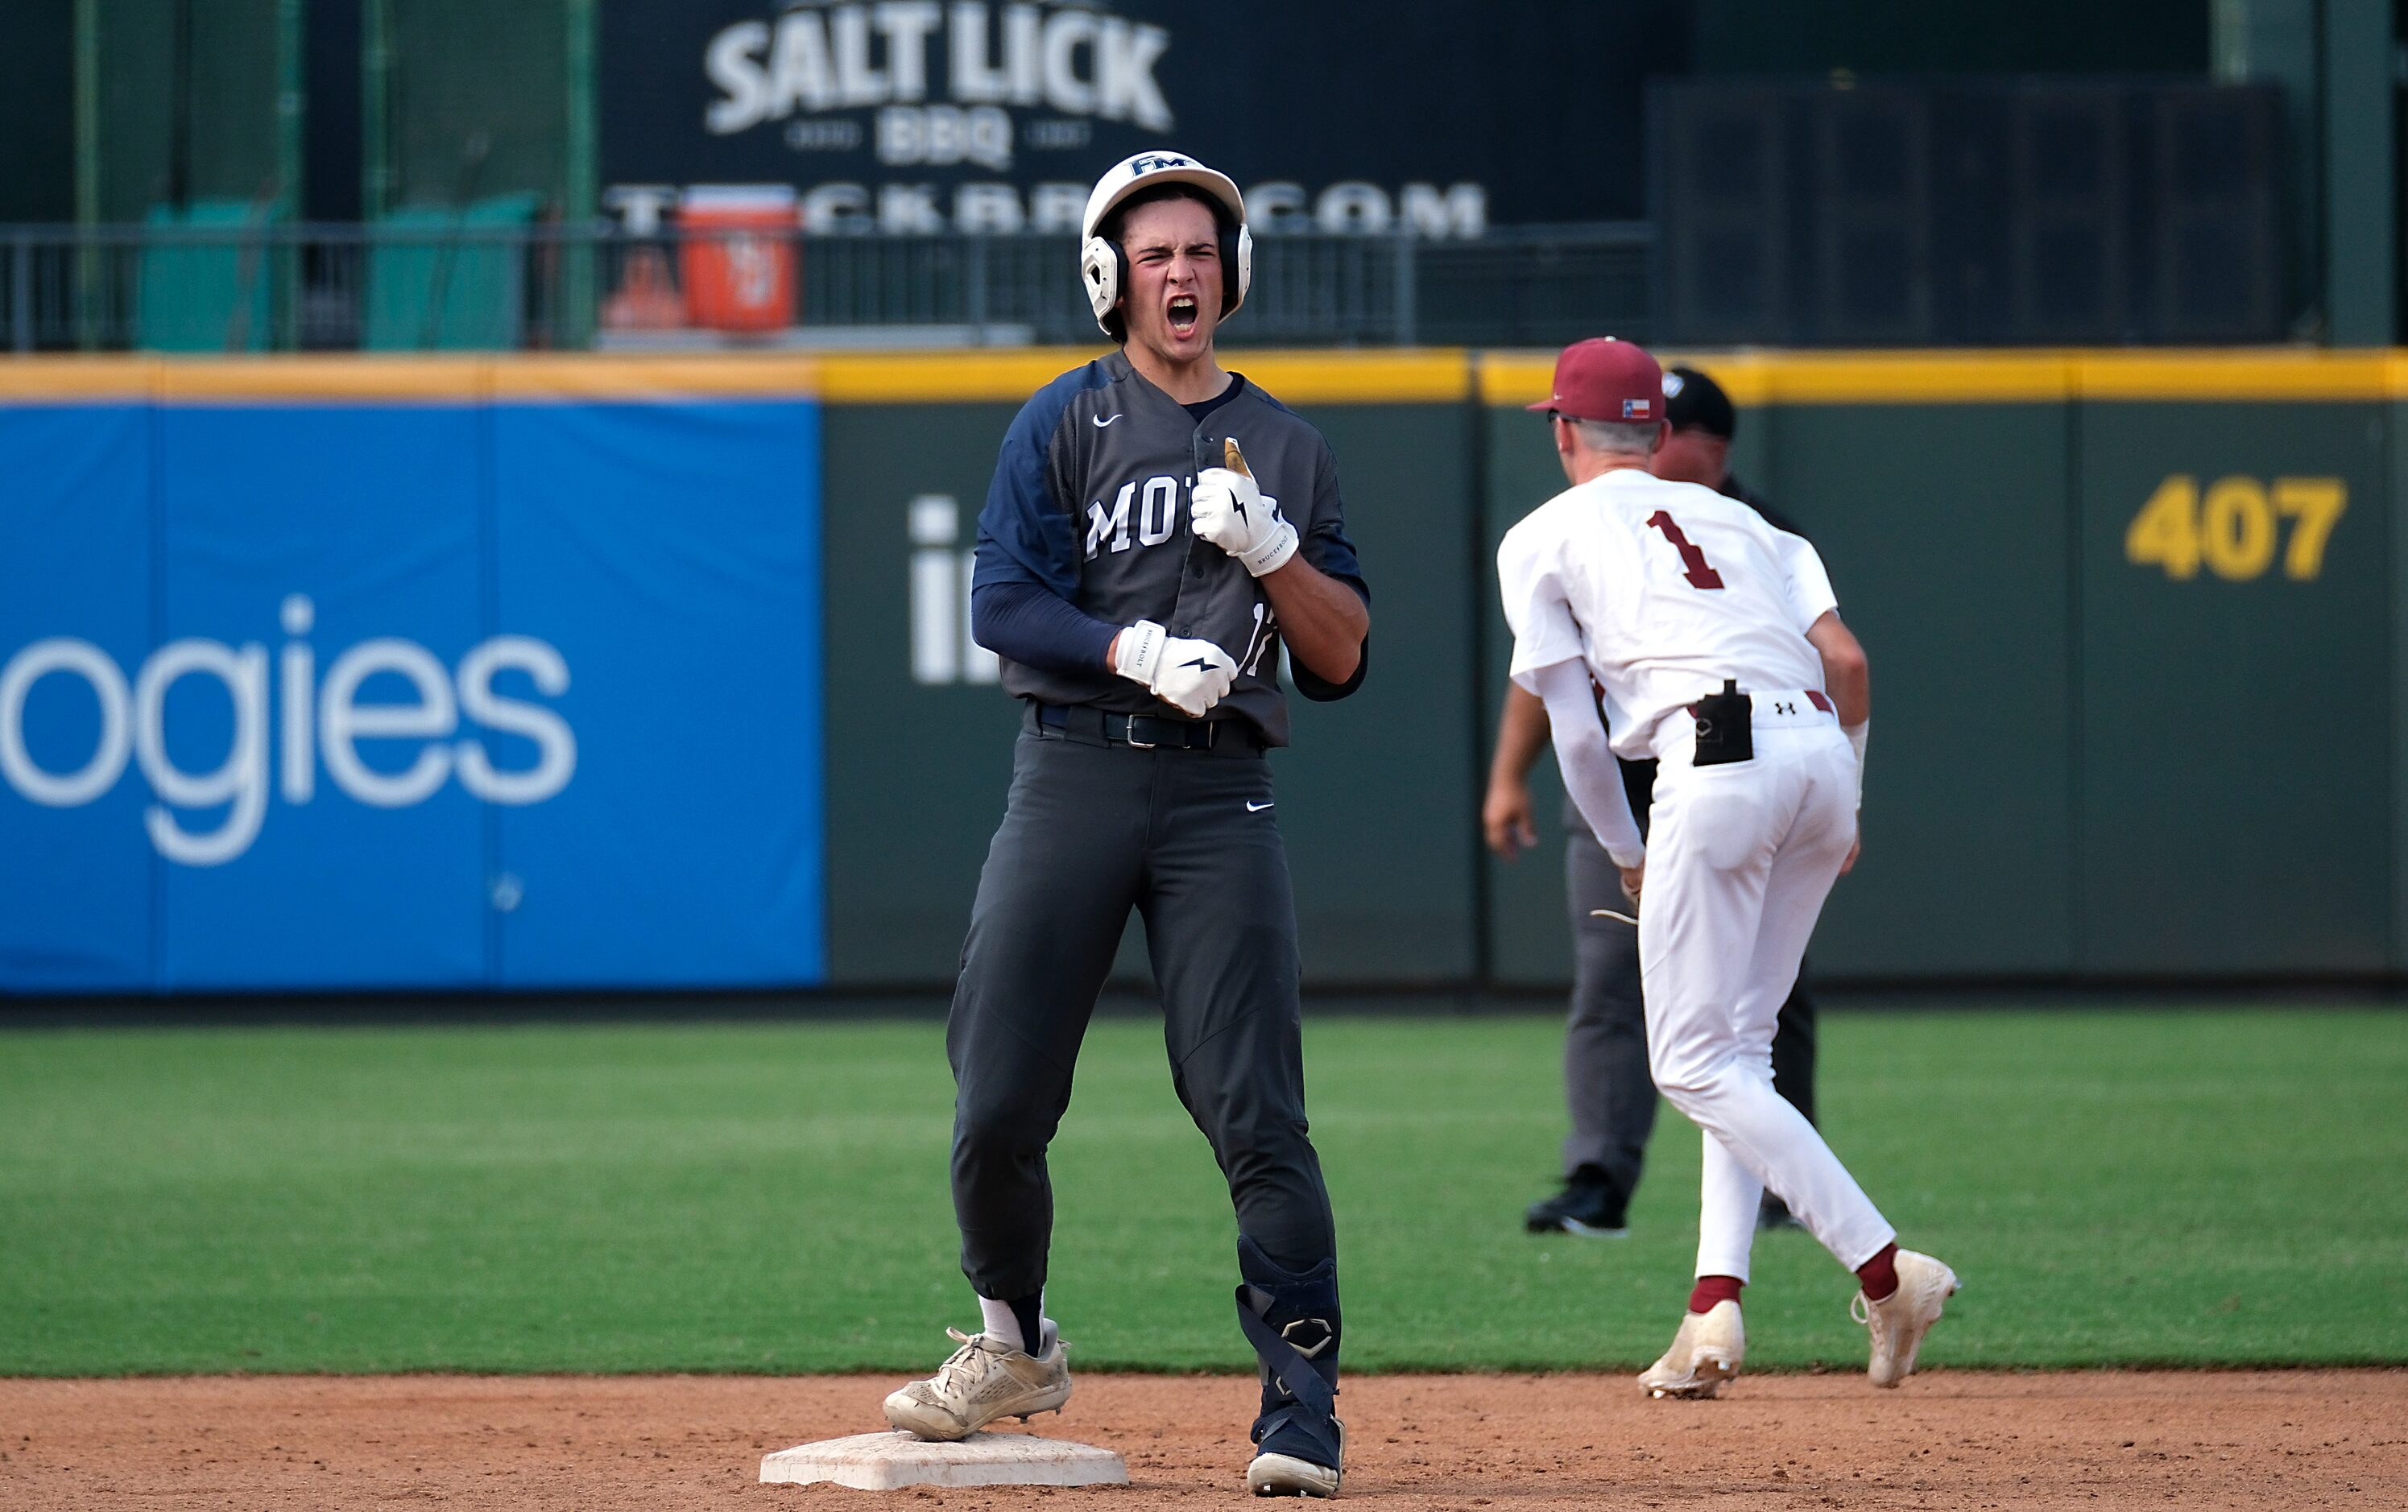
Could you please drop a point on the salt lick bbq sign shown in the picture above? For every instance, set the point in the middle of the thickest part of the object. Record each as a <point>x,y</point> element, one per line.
<point>917,116</point>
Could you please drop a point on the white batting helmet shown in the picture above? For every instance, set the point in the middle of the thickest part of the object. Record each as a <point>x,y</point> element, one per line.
<point>1104,267</point>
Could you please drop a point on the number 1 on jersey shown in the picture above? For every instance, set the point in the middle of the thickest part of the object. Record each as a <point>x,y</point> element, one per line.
<point>1699,573</point>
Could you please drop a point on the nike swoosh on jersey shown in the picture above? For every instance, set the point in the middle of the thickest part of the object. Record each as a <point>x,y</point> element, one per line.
<point>1254,808</point>
<point>1101,422</point>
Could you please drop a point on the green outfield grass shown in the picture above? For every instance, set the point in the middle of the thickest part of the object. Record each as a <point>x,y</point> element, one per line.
<point>2115,1186</point>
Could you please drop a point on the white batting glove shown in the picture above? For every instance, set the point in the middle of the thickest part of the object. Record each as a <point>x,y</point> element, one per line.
<point>1194,675</point>
<point>1230,510</point>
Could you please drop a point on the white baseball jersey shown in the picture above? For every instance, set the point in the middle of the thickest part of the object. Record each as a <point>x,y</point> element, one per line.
<point>1665,589</point>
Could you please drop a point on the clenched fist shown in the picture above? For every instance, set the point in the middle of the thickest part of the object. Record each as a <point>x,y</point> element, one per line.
<point>1193,674</point>
<point>1230,511</point>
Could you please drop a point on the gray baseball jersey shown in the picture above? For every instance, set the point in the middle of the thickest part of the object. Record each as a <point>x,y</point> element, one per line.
<point>1091,500</point>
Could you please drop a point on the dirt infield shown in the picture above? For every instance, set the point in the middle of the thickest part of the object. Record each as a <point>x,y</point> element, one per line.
<point>1417,1443</point>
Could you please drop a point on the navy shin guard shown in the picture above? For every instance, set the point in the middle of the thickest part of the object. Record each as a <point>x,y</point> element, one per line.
<point>1290,1318</point>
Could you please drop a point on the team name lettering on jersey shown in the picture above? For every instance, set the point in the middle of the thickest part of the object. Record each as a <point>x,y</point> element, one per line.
<point>1156,507</point>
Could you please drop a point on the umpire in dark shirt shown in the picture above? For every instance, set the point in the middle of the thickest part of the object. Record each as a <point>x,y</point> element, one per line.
<point>1606,1084</point>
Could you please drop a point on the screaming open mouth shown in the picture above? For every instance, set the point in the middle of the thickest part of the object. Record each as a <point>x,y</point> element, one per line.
<point>1183,313</point>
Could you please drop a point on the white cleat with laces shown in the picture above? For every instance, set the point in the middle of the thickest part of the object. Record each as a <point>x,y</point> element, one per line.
<point>1900,1321</point>
<point>1705,1353</point>
<point>985,1379</point>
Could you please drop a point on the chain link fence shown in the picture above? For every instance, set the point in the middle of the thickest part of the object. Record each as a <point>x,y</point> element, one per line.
<point>493,278</point>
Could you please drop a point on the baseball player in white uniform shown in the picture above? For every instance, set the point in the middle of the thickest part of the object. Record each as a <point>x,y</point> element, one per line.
<point>1716,644</point>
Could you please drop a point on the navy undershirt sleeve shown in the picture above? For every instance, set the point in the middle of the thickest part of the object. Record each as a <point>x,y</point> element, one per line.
<point>1026,534</point>
<point>1028,568</point>
<point>1031,624</point>
<point>1331,553</point>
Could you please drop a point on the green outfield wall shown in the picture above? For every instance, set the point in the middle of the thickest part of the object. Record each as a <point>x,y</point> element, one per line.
<point>2135,621</point>
<point>2132,620</point>
<point>1386,872</point>
<point>2087,765</point>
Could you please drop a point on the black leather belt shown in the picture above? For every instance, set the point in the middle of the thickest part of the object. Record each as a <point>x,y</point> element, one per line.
<point>1144,732</point>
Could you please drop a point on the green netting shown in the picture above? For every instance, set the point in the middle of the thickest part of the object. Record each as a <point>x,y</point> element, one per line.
<point>477,100</point>
<point>449,292</point>
<point>225,91</point>
<point>204,296</point>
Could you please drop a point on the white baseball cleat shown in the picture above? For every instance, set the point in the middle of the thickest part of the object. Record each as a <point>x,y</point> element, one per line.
<point>1285,1475</point>
<point>1705,1353</point>
<point>985,1379</point>
<point>1900,1321</point>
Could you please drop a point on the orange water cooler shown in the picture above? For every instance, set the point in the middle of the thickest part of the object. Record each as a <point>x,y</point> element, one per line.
<point>739,255</point>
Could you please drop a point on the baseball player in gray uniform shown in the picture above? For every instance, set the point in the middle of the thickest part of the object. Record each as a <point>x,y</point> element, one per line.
<point>1159,533</point>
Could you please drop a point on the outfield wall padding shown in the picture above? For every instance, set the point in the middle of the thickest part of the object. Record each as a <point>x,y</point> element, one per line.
<point>455,693</point>
<point>1369,792</point>
<point>2084,765</point>
<point>2134,617</point>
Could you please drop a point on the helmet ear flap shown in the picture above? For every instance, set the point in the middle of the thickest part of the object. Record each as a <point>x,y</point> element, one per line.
<point>1103,268</point>
<point>1237,269</point>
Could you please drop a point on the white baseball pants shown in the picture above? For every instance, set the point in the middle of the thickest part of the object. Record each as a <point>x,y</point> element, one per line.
<point>1739,857</point>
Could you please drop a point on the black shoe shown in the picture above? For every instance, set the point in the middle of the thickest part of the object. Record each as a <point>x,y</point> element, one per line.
<point>1772,1213</point>
<point>1590,1208</point>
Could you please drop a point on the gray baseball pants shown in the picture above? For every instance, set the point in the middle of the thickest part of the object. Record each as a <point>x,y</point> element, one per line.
<point>1187,839</point>
<point>1607,1087</point>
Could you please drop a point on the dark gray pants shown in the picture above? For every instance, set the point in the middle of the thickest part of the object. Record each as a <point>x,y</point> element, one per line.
<point>1607,1087</point>
<point>1091,831</point>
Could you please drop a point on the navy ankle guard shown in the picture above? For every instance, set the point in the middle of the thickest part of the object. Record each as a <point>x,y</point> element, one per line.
<point>1292,1321</point>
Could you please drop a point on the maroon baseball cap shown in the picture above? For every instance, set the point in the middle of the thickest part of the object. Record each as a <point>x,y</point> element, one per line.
<point>1603,378</point>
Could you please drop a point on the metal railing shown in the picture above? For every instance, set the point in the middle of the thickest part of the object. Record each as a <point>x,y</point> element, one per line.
<point>415,288</point>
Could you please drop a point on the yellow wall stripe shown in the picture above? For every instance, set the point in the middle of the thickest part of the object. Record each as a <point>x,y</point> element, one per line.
<point>995,375</point>
<point>627,378</point>
<point>325,380</point>
<point>1756,378</point>
<point>2240,376</point>
<point>2244,376</point>
<point>1405,377</point>
<point>1317,377</point>
<point>999,375</point>
<point>1916,378</point>
<point>75,380</point>
<point>1522,377</point>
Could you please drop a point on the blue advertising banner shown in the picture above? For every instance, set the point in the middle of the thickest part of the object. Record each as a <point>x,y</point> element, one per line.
<point>319,585</point>
<point>409,695</point>
<point>78,561</point>
<point>677,548</point>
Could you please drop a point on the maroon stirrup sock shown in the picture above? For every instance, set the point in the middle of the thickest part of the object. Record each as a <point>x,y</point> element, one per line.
<point>1879,1275</point>
<point>1710,1290</point>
